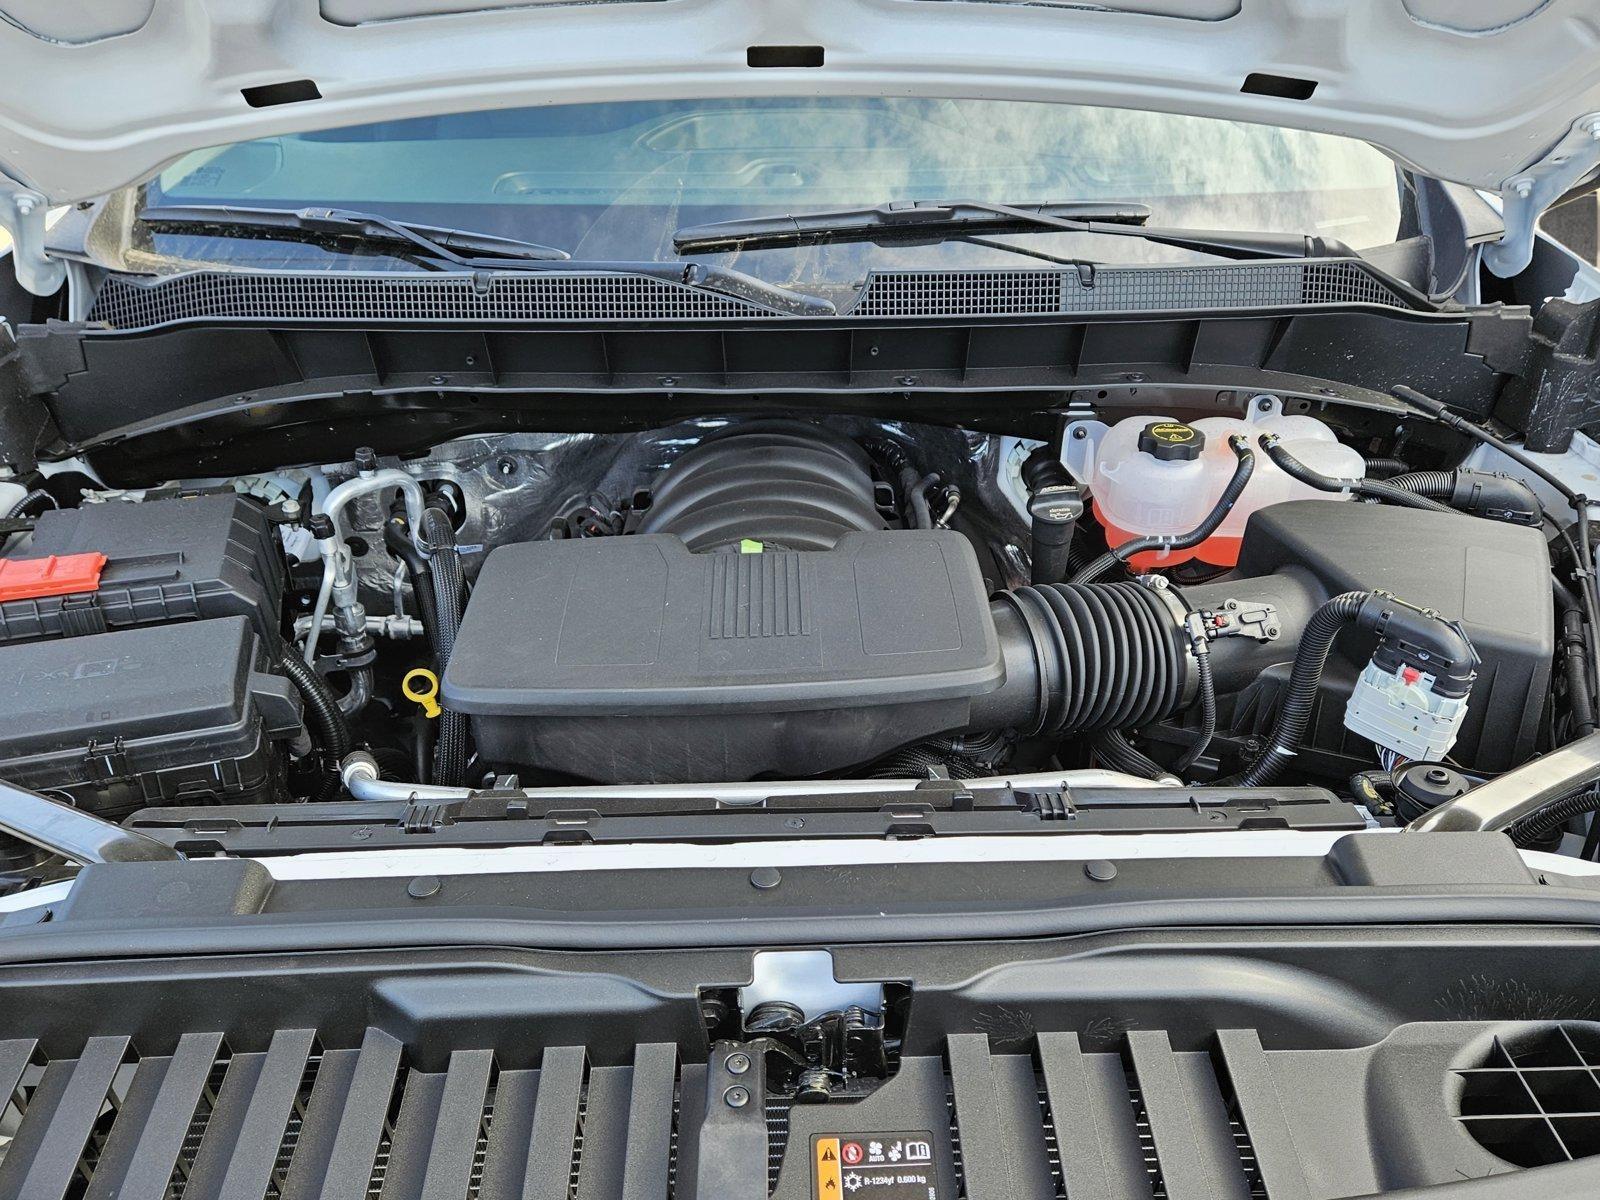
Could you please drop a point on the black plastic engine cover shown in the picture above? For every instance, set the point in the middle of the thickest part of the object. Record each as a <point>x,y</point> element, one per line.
<point>633,660</point>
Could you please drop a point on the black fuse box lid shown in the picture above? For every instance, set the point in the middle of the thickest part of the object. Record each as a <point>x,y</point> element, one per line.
<point>180,559</point>
<point>184,710</point>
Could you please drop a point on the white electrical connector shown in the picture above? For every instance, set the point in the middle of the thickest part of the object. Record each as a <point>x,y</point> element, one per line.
<point>1400,711</point>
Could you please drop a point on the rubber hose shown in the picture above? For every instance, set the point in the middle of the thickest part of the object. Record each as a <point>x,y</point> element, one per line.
<point>915,488</point>
<point>1371,488</point>
<point>1532,830</point>
<point>1109,656</point>
<point>328,723</point>
<point>1120,754</point>
<point>322,707</point>
<point>359,693</point>
<point>449,588</point>
<point>1185,541</point>
<point>1304,679</point>
<point>398,541</point>
<point>1436,485</point>
<point>21,506</point>
<point>1208,718</point>
<point>1477,493</point>
<point>1375,789</point>
<point>1575,662</point>
<point>915,762</point>
<point>891,454</point>
<point>1386,468</point>
<point>394,765</point>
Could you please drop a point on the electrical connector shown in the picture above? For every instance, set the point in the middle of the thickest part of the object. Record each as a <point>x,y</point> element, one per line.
<point>1401,710</point>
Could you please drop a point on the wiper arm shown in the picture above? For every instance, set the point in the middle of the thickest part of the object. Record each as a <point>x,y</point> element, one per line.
<point>72,833</point>
<point>325,225</point>
<point>960,219</point>
<point>473,251</point>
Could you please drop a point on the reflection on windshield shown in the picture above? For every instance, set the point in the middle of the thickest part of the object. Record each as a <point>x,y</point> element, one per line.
<point>612,181</point>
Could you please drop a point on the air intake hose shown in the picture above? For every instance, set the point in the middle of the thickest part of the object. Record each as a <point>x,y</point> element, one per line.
<point>1085,658</point>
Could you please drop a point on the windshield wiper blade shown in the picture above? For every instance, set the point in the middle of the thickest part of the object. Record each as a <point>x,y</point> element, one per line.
<point>474,251</point>
<point>960,219</point>
<point>324,225</point>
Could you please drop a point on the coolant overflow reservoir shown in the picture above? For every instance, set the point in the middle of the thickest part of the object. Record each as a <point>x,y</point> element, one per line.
<point>1155,477</point>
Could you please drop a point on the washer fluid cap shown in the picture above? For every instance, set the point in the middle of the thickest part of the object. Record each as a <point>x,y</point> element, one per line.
<point>1172,441</point>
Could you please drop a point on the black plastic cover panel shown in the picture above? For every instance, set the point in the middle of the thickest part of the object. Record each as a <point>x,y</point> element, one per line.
<point>639,625</point>
<point>178,559</point>
<point>720,665</point>
<point>144,716</point>
<point>1493,578</point>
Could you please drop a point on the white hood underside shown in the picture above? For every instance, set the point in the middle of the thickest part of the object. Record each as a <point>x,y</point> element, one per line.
<point>95,94</point>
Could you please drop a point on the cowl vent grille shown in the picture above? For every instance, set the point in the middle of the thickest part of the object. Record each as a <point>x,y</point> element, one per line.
<point>1123,289</point>
<point>221,295</point>
<point>1535,1098</point>
<point>129,303</point>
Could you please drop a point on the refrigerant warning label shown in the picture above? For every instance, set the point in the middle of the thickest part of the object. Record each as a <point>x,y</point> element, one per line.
<point>874,1166</point>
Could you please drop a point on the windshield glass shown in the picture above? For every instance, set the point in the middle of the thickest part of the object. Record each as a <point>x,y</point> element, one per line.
<point>614,181</point>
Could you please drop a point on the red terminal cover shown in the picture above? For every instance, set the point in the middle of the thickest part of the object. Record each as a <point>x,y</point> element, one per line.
<point>58,575</point>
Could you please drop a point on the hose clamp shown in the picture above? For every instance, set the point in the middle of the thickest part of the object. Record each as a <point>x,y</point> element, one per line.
<point>1178,608</point>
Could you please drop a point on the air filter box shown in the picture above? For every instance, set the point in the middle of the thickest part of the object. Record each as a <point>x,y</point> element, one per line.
<point>633,660</point>
<point>1492,577</point>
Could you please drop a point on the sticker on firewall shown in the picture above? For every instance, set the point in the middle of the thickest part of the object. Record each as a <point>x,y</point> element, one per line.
<point>874,1166</point>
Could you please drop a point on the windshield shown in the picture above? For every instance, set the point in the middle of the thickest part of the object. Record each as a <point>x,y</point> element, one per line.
<point>614,181</point>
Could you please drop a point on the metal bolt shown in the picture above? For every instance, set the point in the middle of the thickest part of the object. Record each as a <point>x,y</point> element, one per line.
<point>1592,128</point>
<point>423,886</point>
<point>738,1064</point>
<point>1079,434</point>
<point>1100,870</point>
<point>25,205</point>
<point>291,509</point>
<point>1264,403</point>
<point>736,1097</point>
<point>1522,187</point>
<point>795,823</point>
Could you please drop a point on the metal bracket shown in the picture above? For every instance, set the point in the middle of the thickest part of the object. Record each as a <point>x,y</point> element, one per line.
<point>1526,195</point>
<point>22,215</point>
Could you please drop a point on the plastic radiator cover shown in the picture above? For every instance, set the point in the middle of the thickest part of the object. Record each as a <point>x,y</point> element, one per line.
<point>630,659</point>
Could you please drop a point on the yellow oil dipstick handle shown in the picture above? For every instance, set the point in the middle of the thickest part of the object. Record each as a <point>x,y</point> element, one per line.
<point>422,686</point>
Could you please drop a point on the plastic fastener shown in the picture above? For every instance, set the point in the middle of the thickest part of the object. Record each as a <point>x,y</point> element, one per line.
<point>57,575</point>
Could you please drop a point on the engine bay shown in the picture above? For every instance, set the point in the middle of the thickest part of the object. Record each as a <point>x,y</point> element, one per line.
<point>1261,598</point>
